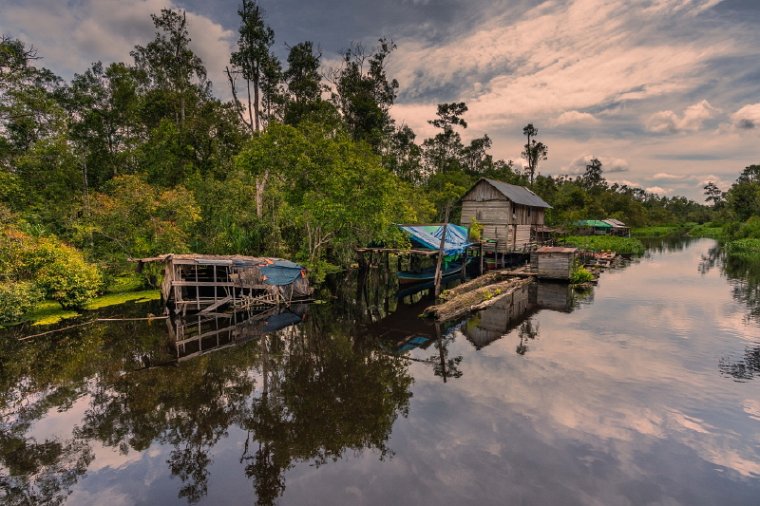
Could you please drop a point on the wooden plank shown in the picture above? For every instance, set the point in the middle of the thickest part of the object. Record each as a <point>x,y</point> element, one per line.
<point>216,304</point>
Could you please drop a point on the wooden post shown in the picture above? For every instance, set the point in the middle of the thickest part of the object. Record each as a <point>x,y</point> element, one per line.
<point>439,262</point>
<point>482,259</point>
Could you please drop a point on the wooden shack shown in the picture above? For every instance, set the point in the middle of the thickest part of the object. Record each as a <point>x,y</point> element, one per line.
<point>553,262</point>
<point>508,213</point>
<point>207,283</point>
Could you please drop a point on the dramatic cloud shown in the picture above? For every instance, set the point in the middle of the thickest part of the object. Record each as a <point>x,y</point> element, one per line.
<point>107,30</point>
<point>610,77</point>
<point>747,118</point>
<point>692,119</point>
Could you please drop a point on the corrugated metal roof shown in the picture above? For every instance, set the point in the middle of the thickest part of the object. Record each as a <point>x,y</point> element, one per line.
<point>517,194</point>
<point>615,223</point>
<point>593,223</point>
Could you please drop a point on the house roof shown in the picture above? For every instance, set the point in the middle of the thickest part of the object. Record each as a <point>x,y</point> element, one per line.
<point>517,194</point>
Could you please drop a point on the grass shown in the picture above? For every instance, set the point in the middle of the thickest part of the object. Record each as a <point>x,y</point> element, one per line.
<point>50,312</point>
<point>656,231</point>
<point>621,245</point>
<point>748,249</point>
<point>580,275</point>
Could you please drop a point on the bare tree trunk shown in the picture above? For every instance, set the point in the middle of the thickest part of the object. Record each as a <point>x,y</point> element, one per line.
<point>261,184</point>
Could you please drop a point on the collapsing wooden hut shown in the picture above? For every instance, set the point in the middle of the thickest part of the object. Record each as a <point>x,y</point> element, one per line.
<point>206,283</point>
<point>508,213</point>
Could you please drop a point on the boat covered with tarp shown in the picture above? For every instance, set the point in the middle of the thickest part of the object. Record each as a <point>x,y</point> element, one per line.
<point>428,237</point>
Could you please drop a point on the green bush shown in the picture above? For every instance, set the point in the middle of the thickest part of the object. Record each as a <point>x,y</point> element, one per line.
<point>16,299</point>
<point>63,275</point>
<point>580,275</point>
<point>476,230</point>
<point>748,249</point>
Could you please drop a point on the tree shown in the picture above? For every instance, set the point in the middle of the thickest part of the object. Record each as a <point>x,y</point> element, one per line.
<point>534,151</point>
<point>170,67</point>
<point>304,82</point>
<point>592,178</point>
<point>254,61</point>
<point>713,195</point>
<point>363,93</point>
<point>443,152</point>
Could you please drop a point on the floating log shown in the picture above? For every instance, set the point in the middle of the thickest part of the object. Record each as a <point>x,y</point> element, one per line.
<point>487,279</point>
<point>474,300</point>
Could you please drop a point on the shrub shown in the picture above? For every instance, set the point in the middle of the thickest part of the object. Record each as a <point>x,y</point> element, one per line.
<point>63,274</point>
<point>16,299</point>
<point>580,275</point>
<point>476,229</point>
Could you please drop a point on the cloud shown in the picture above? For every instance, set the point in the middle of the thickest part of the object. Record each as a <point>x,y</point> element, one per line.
<point>546,61</point>
<point>658,190</point>
<point>610,165</point>
<point>107,30</point>
<point>574,118</point>
<point>747,118</point>
<point>664,176</point>
<point>692,119</point>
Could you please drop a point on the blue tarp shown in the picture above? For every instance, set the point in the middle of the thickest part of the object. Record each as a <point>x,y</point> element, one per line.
<point>281,272</point>
<point>429,237</point>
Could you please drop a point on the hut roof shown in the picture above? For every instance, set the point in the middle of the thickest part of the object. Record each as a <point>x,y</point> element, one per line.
<point>615,223</point>
<point>593,224</point>
<point>517,194</point>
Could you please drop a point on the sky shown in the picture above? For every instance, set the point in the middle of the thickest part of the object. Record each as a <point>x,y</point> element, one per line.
<point>666,93</point>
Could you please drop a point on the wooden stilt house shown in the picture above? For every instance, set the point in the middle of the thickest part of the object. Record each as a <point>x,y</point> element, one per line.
<point>508,213</point>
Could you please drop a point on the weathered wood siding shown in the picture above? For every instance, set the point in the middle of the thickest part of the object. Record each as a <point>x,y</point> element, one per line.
<point>555,265</point>
<point>503,221</point>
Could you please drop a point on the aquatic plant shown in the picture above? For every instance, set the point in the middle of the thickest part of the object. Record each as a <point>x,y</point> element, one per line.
<point>580,275</point>
<point>621,245</point>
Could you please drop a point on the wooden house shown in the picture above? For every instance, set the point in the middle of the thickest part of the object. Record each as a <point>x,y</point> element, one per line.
<point>508,213</point>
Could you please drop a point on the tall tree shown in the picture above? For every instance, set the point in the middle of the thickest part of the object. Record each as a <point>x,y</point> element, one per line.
<point>592,178</point>
<point>534,151</point>
<point>713,195</point>
<point>304,82</point>
<point>443,152</point>
<point>171,67</point>
<point>253,60</point>
<point>364,93</point>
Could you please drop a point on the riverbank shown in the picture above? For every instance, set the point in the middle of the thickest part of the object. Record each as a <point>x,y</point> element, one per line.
<point>620,245</point>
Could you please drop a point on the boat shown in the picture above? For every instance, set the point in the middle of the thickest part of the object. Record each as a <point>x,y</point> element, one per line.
<point>408,278</point>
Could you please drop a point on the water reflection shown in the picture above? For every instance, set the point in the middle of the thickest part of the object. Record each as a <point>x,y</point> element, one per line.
<point>743,276</point>
<point>302,393</point>
<point>516,311</point>
<point>744,369</point>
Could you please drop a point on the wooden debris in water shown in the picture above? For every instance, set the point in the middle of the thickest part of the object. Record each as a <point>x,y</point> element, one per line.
<point>474,300</point>
<point>487,279</point>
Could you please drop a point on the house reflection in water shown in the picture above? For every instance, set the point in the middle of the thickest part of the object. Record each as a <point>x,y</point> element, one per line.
<point>515,311</point>
<point>198,334</point>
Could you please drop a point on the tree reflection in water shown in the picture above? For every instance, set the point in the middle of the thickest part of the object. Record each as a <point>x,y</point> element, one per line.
<point>743,276</point>
<point>746,368</point>
<point>306,394</point>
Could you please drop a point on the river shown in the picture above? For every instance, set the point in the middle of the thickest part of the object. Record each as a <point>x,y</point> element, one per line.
<point>645,390</point>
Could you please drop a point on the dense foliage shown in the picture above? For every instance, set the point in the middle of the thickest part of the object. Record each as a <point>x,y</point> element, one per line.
<point>137,158</point>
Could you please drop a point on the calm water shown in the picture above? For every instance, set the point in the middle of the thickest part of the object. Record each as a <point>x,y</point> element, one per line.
<point>644,391</point>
